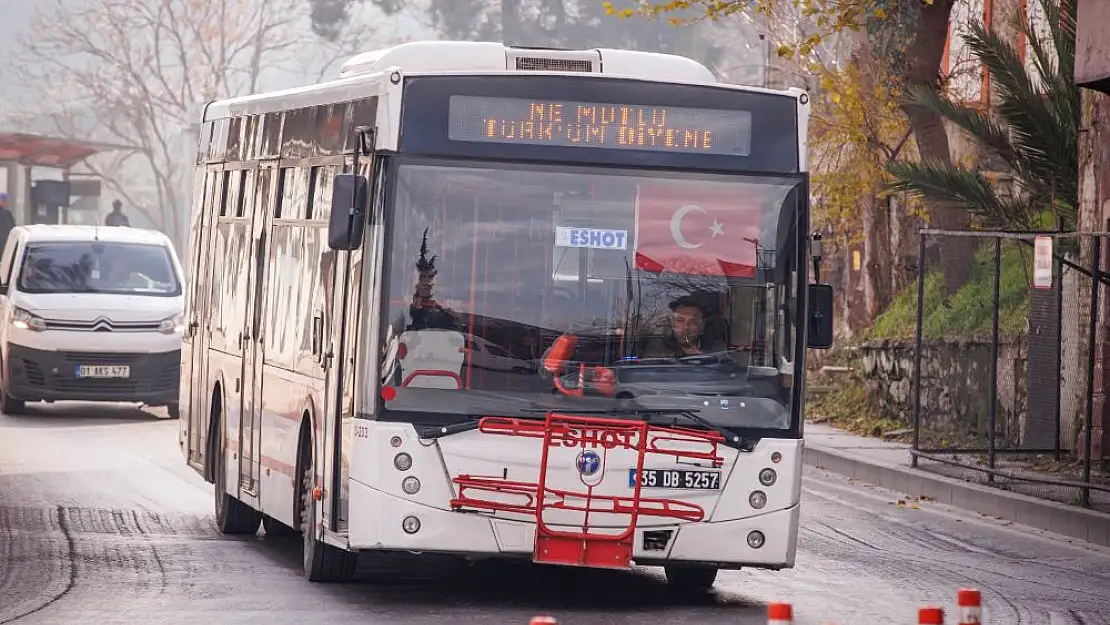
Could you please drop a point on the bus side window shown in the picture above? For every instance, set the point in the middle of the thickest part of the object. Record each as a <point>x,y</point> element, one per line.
<point>7,261</point>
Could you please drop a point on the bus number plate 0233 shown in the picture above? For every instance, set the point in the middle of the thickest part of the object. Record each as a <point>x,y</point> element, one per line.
<point>676,478</point>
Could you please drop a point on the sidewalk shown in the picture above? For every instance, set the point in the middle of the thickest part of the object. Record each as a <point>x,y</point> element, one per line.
<point>887,464</point>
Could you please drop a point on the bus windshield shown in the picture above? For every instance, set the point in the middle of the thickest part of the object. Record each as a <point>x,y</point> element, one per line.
<point>518,289</point>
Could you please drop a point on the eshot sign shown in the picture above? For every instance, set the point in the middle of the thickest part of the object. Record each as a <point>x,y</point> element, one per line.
<point>593,238</point>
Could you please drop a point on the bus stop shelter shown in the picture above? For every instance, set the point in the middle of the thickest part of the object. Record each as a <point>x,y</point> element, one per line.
<point>48,201</point>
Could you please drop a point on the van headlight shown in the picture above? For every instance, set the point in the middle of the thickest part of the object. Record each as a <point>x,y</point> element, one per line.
<point>172,325</point>
<point>26,320</point>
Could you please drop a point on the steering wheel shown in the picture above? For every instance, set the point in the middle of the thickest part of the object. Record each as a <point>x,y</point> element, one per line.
<point>560,364</point>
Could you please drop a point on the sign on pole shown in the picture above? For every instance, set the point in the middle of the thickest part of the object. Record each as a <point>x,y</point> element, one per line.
<point>1042,263</point>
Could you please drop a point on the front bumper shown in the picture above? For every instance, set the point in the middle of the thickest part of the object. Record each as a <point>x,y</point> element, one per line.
<point>376,525</point>
<point>49,375</point>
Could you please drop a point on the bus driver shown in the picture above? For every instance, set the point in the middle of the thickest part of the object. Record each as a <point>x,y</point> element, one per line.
<point>687,335</point>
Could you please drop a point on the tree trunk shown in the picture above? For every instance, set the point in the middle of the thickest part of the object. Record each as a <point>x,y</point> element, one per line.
<point>925,54</point>
<point>1094,202</point>
<point>877,266</point>
<point>511,28</point>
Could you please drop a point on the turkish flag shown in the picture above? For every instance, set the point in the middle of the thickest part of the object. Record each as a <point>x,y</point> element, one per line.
<point>697,229</point>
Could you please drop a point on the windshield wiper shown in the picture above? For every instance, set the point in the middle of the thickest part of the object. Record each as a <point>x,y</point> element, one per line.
<point>574,411</point>
<point>472,423</point>
<point>439,431</point>
<point>731,439</point>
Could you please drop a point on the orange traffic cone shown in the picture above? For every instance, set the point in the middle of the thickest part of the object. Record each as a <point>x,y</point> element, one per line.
<point>780,614</point>
<point>930,616</point>
<point>969,603</point>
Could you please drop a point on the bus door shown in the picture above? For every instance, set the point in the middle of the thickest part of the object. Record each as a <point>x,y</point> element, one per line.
<point>341,340</point>
<point>267,189</point>
<point>194,339</point>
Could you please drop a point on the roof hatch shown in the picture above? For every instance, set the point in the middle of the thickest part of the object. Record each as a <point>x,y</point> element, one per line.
<point>524,59</point>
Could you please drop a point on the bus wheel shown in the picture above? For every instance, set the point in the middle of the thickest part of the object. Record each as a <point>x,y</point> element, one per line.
<point>322,562</point>
<point>232,516</point>
<point>691,579</point>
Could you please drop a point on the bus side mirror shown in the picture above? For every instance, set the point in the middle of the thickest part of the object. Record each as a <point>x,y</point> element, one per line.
<point>347,222</point>
<point>820,334</point>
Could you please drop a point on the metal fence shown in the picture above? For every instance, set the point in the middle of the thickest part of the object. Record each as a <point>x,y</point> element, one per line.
<point>1009,386</point>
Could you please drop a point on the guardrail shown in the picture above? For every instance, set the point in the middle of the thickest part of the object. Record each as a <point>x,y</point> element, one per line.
<point>968,612</point>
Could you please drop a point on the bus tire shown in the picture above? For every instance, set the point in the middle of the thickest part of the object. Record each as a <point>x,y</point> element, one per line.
<point>691,579</point>
<point>322,562</point>
<point>233,517</point>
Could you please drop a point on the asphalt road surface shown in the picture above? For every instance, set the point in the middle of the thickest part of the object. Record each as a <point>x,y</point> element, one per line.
<point>101,522</point>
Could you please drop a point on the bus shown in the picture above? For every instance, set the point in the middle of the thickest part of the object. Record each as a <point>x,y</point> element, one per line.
<point>504,302</point>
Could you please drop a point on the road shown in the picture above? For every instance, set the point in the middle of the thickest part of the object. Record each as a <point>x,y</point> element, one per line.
<point>101,522</point>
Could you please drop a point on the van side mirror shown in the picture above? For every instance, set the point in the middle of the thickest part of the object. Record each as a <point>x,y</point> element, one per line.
<point>349,194</point>
<point>820,331</point>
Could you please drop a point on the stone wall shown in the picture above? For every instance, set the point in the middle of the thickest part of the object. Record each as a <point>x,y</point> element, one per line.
<point>955,390</point>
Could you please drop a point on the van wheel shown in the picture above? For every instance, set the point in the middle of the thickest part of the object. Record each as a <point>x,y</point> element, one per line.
<point>691,579</point>
<point>232,516</point>
<point>9,405</point>
<point>322,562</point>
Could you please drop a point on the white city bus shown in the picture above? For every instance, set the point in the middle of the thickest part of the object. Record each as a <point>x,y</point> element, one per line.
<point>501,302</point>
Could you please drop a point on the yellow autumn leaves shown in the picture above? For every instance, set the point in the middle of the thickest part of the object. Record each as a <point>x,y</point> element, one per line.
<point>857,127</point>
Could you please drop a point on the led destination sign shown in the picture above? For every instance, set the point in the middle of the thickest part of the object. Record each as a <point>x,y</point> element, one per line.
<point>597,125</point>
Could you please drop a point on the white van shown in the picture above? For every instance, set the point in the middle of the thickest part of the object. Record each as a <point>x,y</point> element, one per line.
<point>89,313</point>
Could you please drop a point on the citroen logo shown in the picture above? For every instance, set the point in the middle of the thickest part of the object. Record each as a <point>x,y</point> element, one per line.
<point>102,324</point>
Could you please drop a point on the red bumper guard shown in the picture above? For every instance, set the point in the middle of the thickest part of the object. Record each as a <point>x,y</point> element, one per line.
<point>585,548</point>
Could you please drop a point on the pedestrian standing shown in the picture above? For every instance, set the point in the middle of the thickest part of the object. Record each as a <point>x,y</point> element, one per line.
<point>7,221</point>
<point>116,217</point>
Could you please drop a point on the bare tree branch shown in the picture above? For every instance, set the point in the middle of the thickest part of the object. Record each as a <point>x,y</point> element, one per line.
<point>135,72</point>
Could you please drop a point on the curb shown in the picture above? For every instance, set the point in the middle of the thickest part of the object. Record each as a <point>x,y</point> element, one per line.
<point>1050,516</point>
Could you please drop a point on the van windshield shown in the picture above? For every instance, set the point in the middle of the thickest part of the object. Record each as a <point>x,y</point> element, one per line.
<point>98,267</point>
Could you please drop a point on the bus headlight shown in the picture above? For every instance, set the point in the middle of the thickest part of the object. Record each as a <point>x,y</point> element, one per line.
<point>410,524</point>
<point>756,539</point>
<point>757,499</point>
<point>172,325</point>
<point>402,461</point>
<point>25,320</point>
<point>768,477</point>
<point>410,485</point>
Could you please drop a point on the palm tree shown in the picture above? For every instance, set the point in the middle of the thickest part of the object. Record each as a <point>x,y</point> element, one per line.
<point>1033,131</point>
